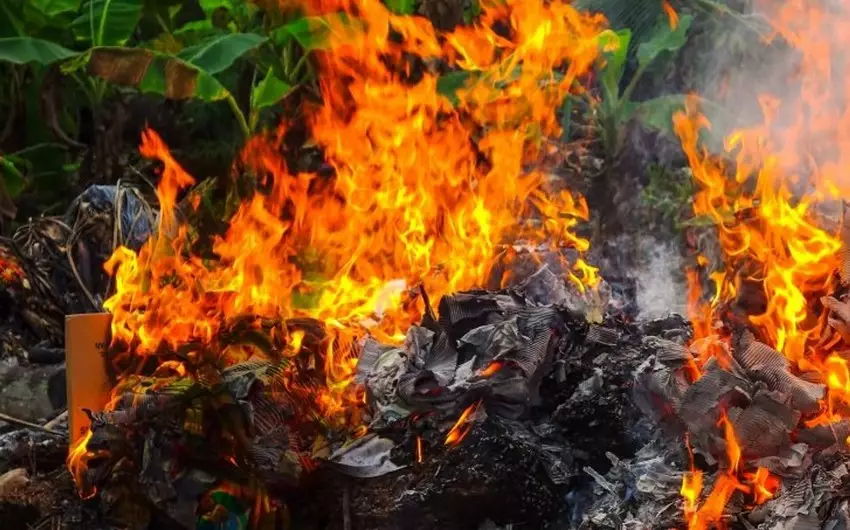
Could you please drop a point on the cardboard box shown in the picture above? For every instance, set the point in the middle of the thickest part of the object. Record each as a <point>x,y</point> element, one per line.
<point>86,339</point>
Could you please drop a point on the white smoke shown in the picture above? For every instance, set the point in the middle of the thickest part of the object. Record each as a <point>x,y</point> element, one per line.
<point>661,289</point>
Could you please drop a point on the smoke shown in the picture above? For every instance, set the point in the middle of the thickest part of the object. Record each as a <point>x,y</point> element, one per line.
<point>661,288</point>
<point>779,66</point>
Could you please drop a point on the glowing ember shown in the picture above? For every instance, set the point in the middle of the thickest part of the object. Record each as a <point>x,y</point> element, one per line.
<point>10,270</point>
<point>492,368</point>
<point>419,449</point>
<point>428,189</point>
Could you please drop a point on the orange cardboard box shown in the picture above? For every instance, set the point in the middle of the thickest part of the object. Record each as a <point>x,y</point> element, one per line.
<point>86,340</point>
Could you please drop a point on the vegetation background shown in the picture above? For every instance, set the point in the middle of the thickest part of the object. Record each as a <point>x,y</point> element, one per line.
<point>82,78</point>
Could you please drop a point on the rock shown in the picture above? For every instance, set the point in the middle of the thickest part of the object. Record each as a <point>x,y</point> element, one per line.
<point>31,392</point>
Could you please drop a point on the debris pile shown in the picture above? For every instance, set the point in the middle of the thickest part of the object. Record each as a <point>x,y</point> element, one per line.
<point>502,384</point>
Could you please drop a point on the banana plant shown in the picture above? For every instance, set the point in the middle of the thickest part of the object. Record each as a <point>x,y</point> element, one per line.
<point>616,107</point>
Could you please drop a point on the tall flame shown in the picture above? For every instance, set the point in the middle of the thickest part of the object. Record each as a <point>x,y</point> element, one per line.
<point>430,187</point>
<point>779,258</point>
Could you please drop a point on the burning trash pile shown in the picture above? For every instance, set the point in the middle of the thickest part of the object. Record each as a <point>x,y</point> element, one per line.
<point>307,337</point>
<point>413,338</point>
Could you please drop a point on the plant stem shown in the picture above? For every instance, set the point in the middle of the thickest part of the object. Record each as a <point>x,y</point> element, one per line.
<point>36,147</point>
<point>240,117</point>
<point>162,24</point>
<point>627,93</point>
<point>293,77</point>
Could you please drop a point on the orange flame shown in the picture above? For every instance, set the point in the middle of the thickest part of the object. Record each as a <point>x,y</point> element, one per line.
<point>761,485</point>
<point>779,258</point>
<point>492,368</point>
<point>733,449</point>
<point>428,188</point>
<point>691,489</point>
<point>691,484</point>
<point>78,457</point>
<point>672,16</point>
<point>764,485</point>
<point>462,427</point>
<point>411,202</point>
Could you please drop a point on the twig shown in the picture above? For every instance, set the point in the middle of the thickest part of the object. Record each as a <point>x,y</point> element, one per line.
<point>28,425</point>
<point>80,280</point>
<point>55,421</point>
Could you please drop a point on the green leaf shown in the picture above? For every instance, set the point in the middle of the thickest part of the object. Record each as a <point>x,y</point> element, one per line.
<point>450,83</point>
<point>401,7</point>
<point>107,22</point>
<point>23,50</point>
<point>269,91</point>
<point>312,33</point>
<point>51,8</point>
<point>156,73</point>
<point>11,19</point>
<point>657,113</point>
<point>664,39</point>
<point>209,6</point>
<point>219,53</point>
<point>12,177</point>
<point>566,118</point>
<point>639,16</point>
<point>614,47</point>
<point>200,26</point>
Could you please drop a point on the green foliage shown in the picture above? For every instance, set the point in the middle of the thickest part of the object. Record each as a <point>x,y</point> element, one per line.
<point>106,22</point>
<point>268,92</point>
<point>401,7</point>
<point>53,8</point>
<point>200,50</point>
<point>219,54</point>
<point>668,193</point>
<point>616,107</point>
<point>25,50</point>
<point>639,17</point>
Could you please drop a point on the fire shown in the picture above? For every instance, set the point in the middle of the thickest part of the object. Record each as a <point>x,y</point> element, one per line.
<point>492,368</point>
<point>672,16</point>
<point>760,486</point>
<point>78,457</point>
<point>691,489</point>
<point>780,258</point>
<point>462,427</point>
<point>733,449</point>
<point>691,484</point>
<point>764,485</point>
<point>429,187</point>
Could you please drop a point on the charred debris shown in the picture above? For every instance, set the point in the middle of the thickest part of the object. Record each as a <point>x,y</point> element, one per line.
<point>538,405</point>
<point>509,408</point>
